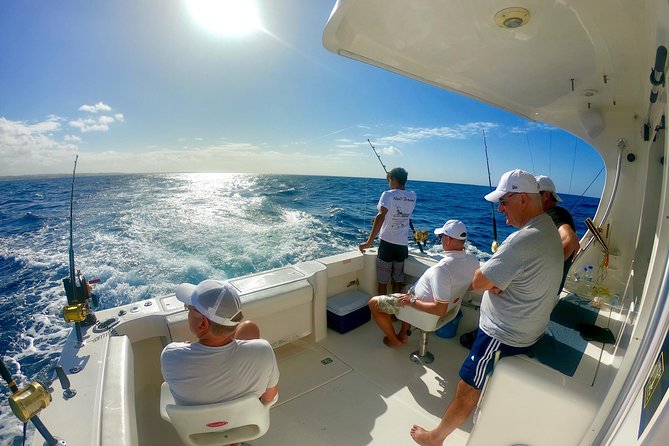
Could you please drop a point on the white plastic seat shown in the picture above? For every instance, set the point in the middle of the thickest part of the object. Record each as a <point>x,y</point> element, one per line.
<point>426,323</point>
<point>243,419</point>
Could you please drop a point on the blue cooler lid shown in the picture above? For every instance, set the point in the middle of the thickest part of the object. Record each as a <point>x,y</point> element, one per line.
<point>347,302</point>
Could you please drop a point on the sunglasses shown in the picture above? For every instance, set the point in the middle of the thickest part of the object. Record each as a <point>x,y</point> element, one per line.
<point>503,201</point>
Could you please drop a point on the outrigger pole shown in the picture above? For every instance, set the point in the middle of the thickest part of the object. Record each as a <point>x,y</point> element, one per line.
<point>494,245</point>
<point>413,230</point>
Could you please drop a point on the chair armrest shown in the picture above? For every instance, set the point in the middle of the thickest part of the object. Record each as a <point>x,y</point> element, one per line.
<point>165,399</point>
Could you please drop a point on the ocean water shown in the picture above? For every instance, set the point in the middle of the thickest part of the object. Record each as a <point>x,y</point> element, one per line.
<point>141,235</point>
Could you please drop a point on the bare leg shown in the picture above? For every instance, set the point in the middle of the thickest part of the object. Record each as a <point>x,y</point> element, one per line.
<point>247,330</point>
<point>457,413</point>
<point>382,288</point>
<point>402,335</point>
<point>384,322</point>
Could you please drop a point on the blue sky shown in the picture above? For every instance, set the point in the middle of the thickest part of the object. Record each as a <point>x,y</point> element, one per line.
<point>144,86</point>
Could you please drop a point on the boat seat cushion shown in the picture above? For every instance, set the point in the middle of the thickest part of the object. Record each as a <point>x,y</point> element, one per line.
<point>119,424</point>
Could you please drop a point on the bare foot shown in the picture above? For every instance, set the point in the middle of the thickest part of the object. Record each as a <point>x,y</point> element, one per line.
<point>403,338</point>
<point>423,437</point>
<point>390,343</point>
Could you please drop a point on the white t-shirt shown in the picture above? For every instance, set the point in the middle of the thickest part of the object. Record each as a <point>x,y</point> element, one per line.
<point>449,279</point>
<point>400,204</point>
<point>528,268</point>
<point>198,374</point>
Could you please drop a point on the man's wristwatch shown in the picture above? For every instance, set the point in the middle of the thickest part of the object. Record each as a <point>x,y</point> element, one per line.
<point>412,300</point>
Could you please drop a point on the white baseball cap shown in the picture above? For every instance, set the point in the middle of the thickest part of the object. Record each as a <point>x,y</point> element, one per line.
<point>515,181</point>
<point>217,301</point>
<point>454,229</point>
<point>547,185</point>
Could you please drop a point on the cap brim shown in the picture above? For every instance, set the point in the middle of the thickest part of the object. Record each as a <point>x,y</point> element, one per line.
<point>439,231</point>
<point>556,196</point>
<point>184,292</point>
<point>495,195</point>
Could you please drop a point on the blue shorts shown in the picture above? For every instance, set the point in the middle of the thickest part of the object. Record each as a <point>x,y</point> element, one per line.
<point>481,359</point>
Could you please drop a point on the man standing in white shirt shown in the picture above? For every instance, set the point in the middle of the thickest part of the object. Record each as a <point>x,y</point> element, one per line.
<point>391,224</point>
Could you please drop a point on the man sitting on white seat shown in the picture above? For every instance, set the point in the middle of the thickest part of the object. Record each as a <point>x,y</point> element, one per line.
<point>228,361</point>
<point>441,285</point>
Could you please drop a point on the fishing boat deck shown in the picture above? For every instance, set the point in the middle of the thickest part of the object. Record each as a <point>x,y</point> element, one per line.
<point>347,389</point>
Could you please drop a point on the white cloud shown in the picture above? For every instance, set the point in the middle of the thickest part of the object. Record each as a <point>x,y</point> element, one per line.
<point>460,131</point>
<point>531,126</point>
<point>391,151</point>
<point>100,106</point>
<point>99,124</point>
<point>71,138</point>
<point>30,148</point>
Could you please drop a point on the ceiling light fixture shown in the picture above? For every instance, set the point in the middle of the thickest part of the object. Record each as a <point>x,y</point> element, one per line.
<point>511,18</point>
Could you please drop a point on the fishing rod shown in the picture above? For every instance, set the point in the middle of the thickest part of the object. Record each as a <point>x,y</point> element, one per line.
<point>418,236</point>
<point>494,245</point>
<point>77,289</point>
<point>377,155</point>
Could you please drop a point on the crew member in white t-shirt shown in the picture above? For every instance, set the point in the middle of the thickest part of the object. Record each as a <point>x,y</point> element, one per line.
<point>228,361</point>
<point>440,287</point>
<point>391,224</point>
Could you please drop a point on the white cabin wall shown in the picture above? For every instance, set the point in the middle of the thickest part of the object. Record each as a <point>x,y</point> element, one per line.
<point>619,231</point>
<point>648,322</point>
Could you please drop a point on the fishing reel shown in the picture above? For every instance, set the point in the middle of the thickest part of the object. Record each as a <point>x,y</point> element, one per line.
<point>420,236</point>
<point>29,401</point>
<point>79,297</point>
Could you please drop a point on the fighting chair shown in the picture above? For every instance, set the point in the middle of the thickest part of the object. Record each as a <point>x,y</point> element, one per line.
<point>426,323</point>
<point>243,419</point>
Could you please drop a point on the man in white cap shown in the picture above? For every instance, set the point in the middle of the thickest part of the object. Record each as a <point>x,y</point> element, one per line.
<point>228,361</point>
<point>562,220</point>
<point>442,285</point>
<point>520,282</point>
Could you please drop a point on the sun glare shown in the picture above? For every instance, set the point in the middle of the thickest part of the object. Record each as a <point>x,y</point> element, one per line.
<point>225,17</point>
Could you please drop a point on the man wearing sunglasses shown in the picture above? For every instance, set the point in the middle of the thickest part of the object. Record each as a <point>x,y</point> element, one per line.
<point>228,360</point>
<point>441,286</point>
<point>520,282</point>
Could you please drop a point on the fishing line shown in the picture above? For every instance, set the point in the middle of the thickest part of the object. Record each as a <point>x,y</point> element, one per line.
<point>529,149</point>
<point>550,150</point>
<point>573,163</point>
<point>586,189</point>
<point>494,245</point>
